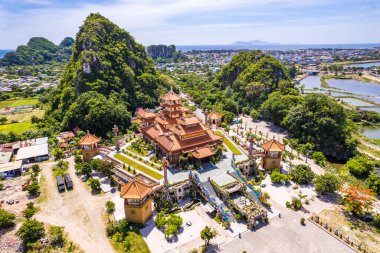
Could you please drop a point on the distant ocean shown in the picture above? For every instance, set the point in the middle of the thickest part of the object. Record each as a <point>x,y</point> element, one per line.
<point>186,48</point>
<point>4,51</point>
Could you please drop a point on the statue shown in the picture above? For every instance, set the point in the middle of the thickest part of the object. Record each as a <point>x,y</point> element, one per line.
<point>115,130</point>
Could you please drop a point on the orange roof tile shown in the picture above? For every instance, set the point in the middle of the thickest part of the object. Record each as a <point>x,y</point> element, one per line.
<point>214,115</point>
<point>189,120</point>
<point>171,96</point>
<point>89,139</point>
<point>203,152</point>
<point>273,145</point>
<point>135,190</point>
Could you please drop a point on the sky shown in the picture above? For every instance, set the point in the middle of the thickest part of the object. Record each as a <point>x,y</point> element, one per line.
<point>198,22</point>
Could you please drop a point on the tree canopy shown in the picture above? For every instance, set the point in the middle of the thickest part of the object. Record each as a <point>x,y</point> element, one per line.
<point>302,174</point>
<point>327,183</point>
<point>108,75</point>
<point>38,51</point>
<point>321,121</point>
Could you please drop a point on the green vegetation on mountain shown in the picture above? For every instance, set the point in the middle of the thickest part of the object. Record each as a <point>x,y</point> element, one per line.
<point>255,81</point>
<point>108,75</point>
<point>38,51</point>
<point>324,123</point>
<point>252,76</point>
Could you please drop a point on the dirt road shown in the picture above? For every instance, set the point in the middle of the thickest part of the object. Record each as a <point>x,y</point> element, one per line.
<point>80,212</point>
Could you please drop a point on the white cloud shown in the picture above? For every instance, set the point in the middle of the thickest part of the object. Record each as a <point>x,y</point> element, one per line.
<point>152,21</point>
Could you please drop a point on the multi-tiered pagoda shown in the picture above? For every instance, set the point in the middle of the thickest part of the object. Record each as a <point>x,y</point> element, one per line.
<point>176,132</point>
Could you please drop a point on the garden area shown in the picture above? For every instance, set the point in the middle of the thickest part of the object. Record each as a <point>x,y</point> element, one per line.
<point>140,147</point>
<point>138,166</point>
<point>229,144</point>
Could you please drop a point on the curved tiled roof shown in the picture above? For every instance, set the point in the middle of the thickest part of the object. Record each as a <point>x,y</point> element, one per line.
<point>171,96</point>
<point>273,145</point>
<point>214,115</point>
<point>135,190</point>
<point>89,139</point>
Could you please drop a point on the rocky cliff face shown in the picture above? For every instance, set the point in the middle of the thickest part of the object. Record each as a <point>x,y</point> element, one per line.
<point>163,51</point>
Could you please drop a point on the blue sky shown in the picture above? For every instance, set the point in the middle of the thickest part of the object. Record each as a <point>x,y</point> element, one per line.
<point>189,22</point>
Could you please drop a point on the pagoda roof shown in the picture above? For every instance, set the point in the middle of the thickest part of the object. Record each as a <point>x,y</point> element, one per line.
<point>89,139</point>
<point>135,189</point>
<point>171,96</point>
<point>214,115</point>
<point>273,145</point>
<point>200,153</point>
<point>189,120</point>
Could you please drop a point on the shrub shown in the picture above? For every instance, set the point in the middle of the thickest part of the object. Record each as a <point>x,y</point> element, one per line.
<point>319,158</point>
<point>238,217</point>
<point>360,166</point>
<point>288,205</point>
<point>277,176</point>
<point>207,234</point>
<point>373,182</point>
<point>296,204</point>
<point>33,188</point>
<point>302,174</point>
<point>376,221</point>
<point>31,231</point>
<point>56,236</point>
<point>30,210</point>
<point>160,220</point>
<point>36,168</point>
<point>254,114</point>
<point>94,184</point>
<point>303,221</point>
<point>327,183</point>
<point>7,219</point>
<point>204,248</point>
<point>110,206</point>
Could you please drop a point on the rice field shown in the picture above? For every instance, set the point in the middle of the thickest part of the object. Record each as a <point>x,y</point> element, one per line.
<point>18,102</point>
<point>24,116</point>
<point>17,128</point>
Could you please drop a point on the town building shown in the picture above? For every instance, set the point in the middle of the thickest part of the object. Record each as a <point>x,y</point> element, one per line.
<point>32,151</point>
<point>11,169</point>
<point>89,146</point>
<point>272,154</point>
<point>137,201</point>
<point>175,133</point>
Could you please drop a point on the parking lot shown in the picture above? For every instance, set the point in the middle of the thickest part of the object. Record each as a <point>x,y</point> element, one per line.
<point>80,212</point>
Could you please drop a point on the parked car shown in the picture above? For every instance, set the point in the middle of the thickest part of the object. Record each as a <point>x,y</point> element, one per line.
<point>263,185</point>
<point>83,178</point>
<point>60,184</point>
<point>68,182</point>
<point>188,223</point>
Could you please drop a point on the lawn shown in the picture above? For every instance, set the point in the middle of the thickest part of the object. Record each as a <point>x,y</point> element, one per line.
<point>139,166</point>
<point>17,128</point>
<point>229,144</point>
<point>18,102</point>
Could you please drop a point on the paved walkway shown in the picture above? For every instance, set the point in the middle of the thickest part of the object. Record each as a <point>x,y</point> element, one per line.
<point>286,235</point>
<point>271,131</point>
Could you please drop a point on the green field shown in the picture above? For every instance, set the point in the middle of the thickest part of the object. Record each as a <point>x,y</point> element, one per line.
<point>138,166</point>
<point>228,143</point>
<point>17,128</point>
<point>18,102</point>
<point>25,116</point>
